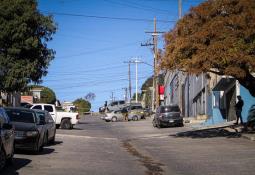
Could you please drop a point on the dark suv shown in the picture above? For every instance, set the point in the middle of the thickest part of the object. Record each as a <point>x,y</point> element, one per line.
<point>168,116</point>
<point>6,139</point>
<point>29,129</point>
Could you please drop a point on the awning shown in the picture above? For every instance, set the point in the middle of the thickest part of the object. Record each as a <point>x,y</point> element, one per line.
<point>224,84</point>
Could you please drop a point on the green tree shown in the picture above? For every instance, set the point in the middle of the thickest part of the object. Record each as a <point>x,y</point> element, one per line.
<point>217,36</point>
<point>48,96</point>
<point>82,105</point>
<point>24,34</point>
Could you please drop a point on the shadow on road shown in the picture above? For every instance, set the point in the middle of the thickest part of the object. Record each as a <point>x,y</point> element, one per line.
<point>43,152</point>
<point>18,163</point>
<point>207,133</point>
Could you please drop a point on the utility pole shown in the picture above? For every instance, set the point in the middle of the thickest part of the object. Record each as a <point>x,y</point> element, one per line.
<point>129,80</point>
<point>136,61</point>
<point>155,33</point>
<point>112,97</point>
<point>126,93</point>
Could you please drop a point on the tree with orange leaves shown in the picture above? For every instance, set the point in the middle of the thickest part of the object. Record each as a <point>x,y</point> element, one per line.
<point>217,36</point>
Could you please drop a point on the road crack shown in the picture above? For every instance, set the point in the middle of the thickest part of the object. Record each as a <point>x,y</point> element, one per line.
<point>153,168</point>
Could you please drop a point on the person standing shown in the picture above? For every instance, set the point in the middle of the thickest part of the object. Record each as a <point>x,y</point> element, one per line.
<point>239,107</point>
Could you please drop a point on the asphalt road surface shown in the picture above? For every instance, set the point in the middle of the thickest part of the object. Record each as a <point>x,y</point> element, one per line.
<point>125,148</point>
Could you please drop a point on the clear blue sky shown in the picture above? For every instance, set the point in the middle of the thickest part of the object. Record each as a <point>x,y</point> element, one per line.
<point>90,51</point>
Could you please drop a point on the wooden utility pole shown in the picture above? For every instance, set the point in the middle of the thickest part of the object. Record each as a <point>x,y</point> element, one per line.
<point>155,33</point>
<point>155,43</point>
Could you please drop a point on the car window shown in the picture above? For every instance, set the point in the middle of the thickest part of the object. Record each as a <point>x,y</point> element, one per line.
<point>114,103</point>
<point>122,102</point>
<point>41,116</point>
<point>170,109</point>
<point>48,108</point>
<point>37,107</point>
<point>21,116</point>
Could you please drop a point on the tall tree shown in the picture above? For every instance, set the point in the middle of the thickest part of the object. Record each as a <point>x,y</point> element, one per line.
<point>217,36</point>
<point>82,104</point>
<point>48,96</point>
<point>24,34</point>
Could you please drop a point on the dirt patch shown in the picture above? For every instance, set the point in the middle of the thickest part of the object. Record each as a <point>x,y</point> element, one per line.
<point>153,168</point>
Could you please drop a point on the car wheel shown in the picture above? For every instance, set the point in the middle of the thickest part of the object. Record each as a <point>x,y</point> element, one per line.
<point>159,125</point>
<point>57,126</point>
<point>66,124</point>
<point>2,159</point>
<point>114,119</point>
<point>135,118</point>
<point>10,159</point>
<point>52,141</point>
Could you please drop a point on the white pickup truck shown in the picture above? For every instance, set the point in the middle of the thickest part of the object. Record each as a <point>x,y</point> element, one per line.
<point>65,120</point>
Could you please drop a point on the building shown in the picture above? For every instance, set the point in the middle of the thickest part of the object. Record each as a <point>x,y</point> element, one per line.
<point>208,96</point>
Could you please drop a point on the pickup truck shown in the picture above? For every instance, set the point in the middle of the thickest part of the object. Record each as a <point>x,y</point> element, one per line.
<point>65,120</point>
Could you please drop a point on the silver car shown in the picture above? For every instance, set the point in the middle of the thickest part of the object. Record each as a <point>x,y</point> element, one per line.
<point>114,116</point>
<point>116,105</point>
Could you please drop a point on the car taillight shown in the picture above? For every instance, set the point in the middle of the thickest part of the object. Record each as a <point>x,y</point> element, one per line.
<point>77,116</point>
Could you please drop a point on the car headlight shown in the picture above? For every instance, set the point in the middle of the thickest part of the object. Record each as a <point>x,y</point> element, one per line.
<point>31,133</point>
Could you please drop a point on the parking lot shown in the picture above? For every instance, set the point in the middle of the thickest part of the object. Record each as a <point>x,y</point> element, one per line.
<point>99,147</point>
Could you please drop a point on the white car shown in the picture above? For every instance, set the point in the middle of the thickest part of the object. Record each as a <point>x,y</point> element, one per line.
<point>114,116</point>
<point>65,120</point>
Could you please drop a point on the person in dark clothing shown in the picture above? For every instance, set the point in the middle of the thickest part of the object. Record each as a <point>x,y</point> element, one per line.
<point>239,107</point>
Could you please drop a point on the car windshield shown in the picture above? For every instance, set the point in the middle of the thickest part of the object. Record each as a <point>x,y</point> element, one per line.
<point>166,109</point>
<point>21,116</point>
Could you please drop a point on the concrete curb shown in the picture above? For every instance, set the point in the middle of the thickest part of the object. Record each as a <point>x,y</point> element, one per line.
<point>249,136</point>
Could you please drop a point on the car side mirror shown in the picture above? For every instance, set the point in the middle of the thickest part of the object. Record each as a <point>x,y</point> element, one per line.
<point>7,126</point>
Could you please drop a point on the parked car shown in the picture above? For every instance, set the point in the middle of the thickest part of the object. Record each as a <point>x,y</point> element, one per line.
<point>29,130</point>
<point>167,116</point>
<point>135,111</point>
<point>49,124</point>
<point>147,112</point>
<point>116,105</point>
<point>6,139</point>
<point>65,120</point>
<point>134,116</point>
<point>114,116</point>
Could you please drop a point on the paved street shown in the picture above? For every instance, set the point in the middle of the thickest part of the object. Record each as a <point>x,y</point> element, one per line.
<point>97,147</point>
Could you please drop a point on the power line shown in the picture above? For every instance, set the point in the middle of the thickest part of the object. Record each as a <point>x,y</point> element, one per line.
<point>106,17</point>
<point>95,51</point>
<point>138,6</point>
<point>92,84</point>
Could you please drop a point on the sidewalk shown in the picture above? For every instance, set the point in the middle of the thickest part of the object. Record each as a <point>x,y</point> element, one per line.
<point>227,129</point>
